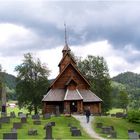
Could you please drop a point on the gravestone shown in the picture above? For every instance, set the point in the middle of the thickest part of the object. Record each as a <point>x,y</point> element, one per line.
<point>37,122</point>
<point>21,115</point>
<point>130,131</point>
<point>75,132</point>
<point>99,125</point>
<point>106,130</point>
<point>32,132</point>
<point>12,114</point>
<point>23,120</point>
<point>36,117</point>
<point>121,115</point>
<point>133,136</point>
<point>5,120</point>
<point>14,130</point>
<point>72,128</point>
<point>48,129</point>
<point>9,136</point>
<point>57,112</point>
<point>17,125</point>
<point>113,115</point>
<point>47,116</point>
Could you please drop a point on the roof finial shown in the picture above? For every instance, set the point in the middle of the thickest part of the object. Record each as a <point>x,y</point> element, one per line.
<point>65,34</point>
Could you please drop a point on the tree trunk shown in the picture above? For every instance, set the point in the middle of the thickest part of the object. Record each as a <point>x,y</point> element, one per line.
<point>36,110</point>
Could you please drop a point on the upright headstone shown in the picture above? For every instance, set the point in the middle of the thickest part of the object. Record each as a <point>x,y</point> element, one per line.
<point>0,96</point>
<point>3,101</point>
<point>9,136</point>
<point>57,112</point>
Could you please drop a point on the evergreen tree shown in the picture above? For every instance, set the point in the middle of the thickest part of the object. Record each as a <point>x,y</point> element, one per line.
<point>32,82</point>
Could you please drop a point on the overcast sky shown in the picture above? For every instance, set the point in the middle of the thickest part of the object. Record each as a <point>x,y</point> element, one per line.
<point>106,28</point>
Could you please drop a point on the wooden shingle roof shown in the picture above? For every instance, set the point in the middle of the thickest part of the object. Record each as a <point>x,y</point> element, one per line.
<point>54,95</point>
<point>89,96</point>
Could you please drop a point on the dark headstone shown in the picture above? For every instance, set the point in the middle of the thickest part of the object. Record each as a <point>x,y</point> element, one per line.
<point>23,120</point>
<point>52,123</point>
<point>36,117</point>
<point>99,125</point>
<point>32,132</point>
<point>37,122</point>
<point>130,131</point>
<point>48,128</point>
<point>75,132</point>
<point>73,128</point>
<point>47,116</point>
<point>12,114</point>
<point>9,136</point>
<point>17,125</point>
<point>121,115</point>
<point>106,130</point>
<point>5,120</point>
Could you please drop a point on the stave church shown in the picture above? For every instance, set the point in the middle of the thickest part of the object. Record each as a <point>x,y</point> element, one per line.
<point>70,91</point>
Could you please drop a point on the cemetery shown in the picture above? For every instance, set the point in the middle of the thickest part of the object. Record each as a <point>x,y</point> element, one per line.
<point>40,127</point>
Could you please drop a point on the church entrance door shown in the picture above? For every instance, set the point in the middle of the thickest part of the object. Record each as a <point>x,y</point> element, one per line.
<point>73,106</point>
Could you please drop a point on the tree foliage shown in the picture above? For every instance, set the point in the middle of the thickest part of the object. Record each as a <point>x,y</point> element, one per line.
<point>96,71</point>
<point>32,82</point>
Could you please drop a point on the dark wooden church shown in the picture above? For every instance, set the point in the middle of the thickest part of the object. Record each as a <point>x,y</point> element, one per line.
<point>70,91</point>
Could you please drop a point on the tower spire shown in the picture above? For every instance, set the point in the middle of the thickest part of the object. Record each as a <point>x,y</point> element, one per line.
<point>65,34</point>
<point>66,47</point>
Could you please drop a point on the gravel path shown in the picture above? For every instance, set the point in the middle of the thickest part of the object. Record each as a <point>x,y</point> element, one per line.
<point>88,126</point>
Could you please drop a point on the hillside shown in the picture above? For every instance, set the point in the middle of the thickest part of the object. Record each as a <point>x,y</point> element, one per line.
<point>129,82</point>
<point>128,78</point>
<point>10,83</point>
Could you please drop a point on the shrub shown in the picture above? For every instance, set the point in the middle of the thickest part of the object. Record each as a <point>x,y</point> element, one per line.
<point>134,116</point>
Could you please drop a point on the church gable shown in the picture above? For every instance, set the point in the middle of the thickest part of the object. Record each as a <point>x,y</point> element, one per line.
<point>70,72</point>
<point>67,58</point>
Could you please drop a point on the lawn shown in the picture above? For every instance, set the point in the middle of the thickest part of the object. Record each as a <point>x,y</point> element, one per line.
<point>60,131</point>
<point>121,126</point>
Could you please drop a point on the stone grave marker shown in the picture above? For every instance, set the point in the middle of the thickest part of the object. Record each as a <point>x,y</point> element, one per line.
<point>76,132</point>
<point>32,132</point>
<point>36,117</point>
<point>72,128</point>
<point>22,115</point>
<point>5,120</point>
<point>47,116</point>
<point>133,136</point>
<point>106,130</point>
<point>14,130</point>
<point>57,112</point>
<point>130,131</point>
<point>48,129</point>
<point>17,125</point>
<point>37,122</point>
<point>9,136</point>
<point>23,120</point>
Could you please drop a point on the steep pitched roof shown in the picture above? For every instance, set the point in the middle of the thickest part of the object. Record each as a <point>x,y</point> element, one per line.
<point>89,96</point>
<point>72,95</point>
<point>65,69</point>
<point>54,95</point>
<point>67,53</point>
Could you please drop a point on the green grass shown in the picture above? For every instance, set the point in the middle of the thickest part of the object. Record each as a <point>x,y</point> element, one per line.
<point>61,130</point>
<point>114,110</point>
<point>121,126</point>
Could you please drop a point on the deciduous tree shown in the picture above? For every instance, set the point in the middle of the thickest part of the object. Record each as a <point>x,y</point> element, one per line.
<point>32,82</point>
